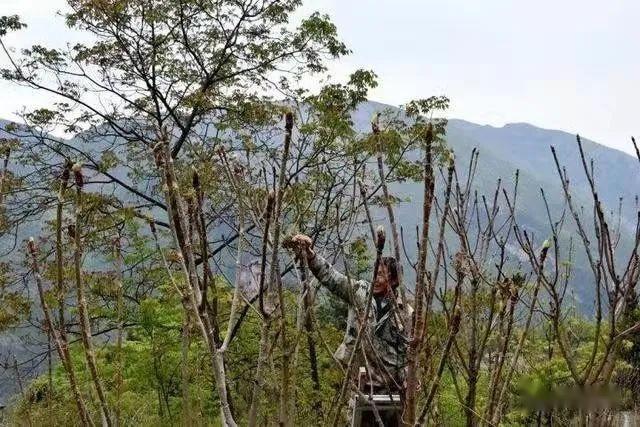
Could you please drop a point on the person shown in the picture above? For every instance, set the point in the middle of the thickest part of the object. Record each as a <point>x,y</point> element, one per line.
<point>385,341</point>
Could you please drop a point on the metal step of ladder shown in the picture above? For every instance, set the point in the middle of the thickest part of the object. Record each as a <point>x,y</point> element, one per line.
<point>389,406</point>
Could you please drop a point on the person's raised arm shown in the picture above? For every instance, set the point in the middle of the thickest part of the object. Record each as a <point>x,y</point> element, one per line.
<point>328,276</point>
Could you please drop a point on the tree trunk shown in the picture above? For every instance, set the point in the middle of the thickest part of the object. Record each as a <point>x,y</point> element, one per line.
<point>392,219</point>
<point>60,341</point>
<point>417,330</point>
<point>83,310</point>
<point>120,335</point>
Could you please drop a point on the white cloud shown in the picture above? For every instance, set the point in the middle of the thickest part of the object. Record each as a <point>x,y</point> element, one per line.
<point>570,65</point>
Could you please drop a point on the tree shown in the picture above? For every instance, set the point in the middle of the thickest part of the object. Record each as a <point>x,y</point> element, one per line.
<point>154,72</point>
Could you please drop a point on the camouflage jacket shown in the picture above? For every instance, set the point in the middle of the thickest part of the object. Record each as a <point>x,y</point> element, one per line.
<point>384,326</point>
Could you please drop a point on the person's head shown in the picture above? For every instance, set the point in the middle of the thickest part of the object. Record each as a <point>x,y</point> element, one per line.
<point>387,277</point>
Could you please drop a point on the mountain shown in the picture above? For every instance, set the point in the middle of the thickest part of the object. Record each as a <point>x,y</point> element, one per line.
<point>527,148</point>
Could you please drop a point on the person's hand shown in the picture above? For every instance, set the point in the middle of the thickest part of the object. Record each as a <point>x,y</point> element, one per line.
<point>301,244</point>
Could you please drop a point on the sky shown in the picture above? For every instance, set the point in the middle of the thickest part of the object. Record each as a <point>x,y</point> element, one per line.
<point>572,65</point>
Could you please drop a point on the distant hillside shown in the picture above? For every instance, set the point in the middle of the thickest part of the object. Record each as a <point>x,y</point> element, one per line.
<point>523,147</point>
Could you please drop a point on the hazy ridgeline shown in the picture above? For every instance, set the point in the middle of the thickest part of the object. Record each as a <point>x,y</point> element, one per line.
<point>192,149</point>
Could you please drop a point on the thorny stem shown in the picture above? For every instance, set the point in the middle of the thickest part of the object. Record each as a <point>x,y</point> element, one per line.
<point>273,281</point>
<point>191,290</point>
<point>62,346</point>
<point>375,127</point>
<point>83,310</point>
<point>363,324</point>
<point>418,325</point>
<point>120,335</point>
